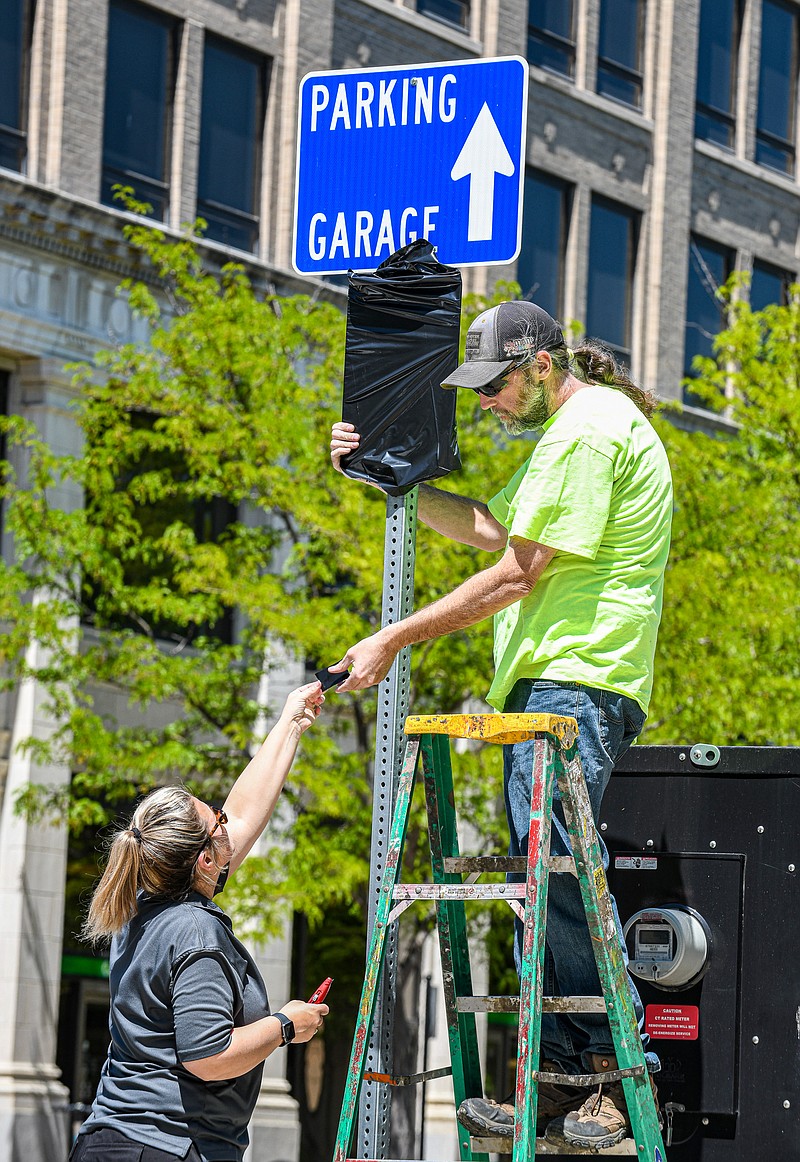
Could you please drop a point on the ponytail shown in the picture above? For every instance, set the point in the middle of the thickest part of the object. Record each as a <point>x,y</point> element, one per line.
<point>156,854</point>
<point>594,363</point>
<point>114,900</point>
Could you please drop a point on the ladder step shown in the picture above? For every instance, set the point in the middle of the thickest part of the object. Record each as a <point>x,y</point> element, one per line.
<point>499,728</point>
<point>626,1148</point>
<point>409,1078</point>
<point>469,864</point>
<point>458,892</point>
<point>549,1004</point>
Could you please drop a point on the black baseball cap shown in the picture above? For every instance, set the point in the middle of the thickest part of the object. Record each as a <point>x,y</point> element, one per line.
<point>500,337</point>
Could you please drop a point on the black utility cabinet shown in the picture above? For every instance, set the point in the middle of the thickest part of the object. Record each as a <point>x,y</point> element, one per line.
<point>711,836</point>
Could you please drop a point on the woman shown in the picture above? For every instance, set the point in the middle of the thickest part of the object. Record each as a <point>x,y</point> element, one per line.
<point>190,1021</point>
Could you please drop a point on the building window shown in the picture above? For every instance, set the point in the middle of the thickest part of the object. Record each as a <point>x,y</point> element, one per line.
<point>450,11</point>
<point>717,58</point>
<point>710,267</point>
<point>612,262</point>
<point>777,86</point>
<point>551,35</point>
<point>619,59</point>
<point>14,60</point>
<point>545,225</point>
<point>139,86</point>
<point>230,143</point>
<point>769,284</point>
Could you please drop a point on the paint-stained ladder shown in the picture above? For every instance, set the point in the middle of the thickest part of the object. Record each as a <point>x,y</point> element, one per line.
<point>555,760</point>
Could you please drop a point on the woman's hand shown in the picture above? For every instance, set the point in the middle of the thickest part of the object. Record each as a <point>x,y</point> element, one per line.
<point>307,1019</point>
<point>251,1044</point>
<point>303,705</point>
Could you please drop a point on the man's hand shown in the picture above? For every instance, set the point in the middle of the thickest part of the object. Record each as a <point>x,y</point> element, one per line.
<point>344,440</point>
<point>370,659</point>
<point>511,579</point>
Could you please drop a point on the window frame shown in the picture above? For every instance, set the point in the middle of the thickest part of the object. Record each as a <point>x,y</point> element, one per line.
<point>147,187</point>
<point>567,198</point>
<point>634,77</point>
<point>634,218</point>
<point>714,113</point>
<point>784,276</point>
<point>786,146</point>
<point>16,136</point>
<point>251,221</point>
<point>430,12</point>
<point>698,243</point>
<point>549,39</point>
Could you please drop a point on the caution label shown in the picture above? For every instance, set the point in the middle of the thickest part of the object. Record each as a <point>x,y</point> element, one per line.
<point>672,1022</point>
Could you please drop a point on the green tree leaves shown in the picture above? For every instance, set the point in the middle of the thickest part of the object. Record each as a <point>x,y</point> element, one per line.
<point>728,660</point>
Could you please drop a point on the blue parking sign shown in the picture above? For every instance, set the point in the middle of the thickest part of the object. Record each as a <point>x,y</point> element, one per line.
<point>432,151</point>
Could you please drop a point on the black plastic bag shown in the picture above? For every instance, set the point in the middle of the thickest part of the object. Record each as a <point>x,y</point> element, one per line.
<point>402,341</point>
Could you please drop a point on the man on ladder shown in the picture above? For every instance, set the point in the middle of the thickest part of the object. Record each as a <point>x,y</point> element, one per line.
<point>584,527</point>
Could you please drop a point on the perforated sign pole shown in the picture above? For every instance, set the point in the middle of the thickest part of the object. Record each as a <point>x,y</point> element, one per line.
<point>393,695</point>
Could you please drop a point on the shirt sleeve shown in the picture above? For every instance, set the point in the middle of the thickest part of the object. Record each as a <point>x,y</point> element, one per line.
<point>203,1004</point>
<point>564,498</point>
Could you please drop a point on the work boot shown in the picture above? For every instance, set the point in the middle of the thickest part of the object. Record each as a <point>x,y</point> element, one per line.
<point>486,1118</point>
<point>602,1119</point>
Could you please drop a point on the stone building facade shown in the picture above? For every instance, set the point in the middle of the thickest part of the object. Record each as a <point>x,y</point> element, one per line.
<point>662,154</point>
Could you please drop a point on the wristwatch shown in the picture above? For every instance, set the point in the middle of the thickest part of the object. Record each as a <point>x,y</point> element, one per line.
<point>287,1028</point>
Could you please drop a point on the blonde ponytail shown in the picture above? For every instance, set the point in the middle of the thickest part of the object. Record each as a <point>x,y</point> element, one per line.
<point>156,854</point>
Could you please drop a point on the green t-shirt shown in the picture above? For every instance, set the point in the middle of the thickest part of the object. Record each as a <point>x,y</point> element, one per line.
<point>597,488</point>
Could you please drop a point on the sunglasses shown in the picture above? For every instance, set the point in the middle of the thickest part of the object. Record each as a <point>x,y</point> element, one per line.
<point>496,385</point>
<point>222,819</point>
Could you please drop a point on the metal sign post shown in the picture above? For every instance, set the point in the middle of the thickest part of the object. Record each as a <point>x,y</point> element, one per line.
<point>393,694</point>
<point>386,156</point>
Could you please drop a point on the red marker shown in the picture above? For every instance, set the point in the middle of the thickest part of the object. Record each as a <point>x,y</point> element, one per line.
<point>319,994</point>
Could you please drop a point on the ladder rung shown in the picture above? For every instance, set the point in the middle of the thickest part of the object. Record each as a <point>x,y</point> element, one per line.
<point>625,1148</point>
<point>549,1004</point>
<point>458,892</point>
<point>409,1078</point>
<point>468,864</point>
<point>465,864</point>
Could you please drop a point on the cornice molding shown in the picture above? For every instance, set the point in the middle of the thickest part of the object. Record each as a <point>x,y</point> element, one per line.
<point>38,218</point>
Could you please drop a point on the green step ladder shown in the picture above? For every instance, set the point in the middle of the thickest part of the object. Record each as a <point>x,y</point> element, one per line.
<point>555,759</point>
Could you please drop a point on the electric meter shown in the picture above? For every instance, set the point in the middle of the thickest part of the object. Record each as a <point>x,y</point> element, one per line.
<point>669,946</point>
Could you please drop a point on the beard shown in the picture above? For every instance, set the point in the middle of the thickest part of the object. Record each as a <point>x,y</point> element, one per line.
<point>532,412</point>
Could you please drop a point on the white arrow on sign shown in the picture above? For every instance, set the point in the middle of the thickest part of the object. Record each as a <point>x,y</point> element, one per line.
<point>483,155</point>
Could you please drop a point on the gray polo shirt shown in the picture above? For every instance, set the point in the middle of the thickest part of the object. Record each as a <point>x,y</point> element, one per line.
<point>180,982</point>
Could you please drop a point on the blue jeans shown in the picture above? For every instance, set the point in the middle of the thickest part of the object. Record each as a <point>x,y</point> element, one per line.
<point>607,724</point>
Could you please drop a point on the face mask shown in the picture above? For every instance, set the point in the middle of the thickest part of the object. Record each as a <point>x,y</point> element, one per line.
<point>222,879</point>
